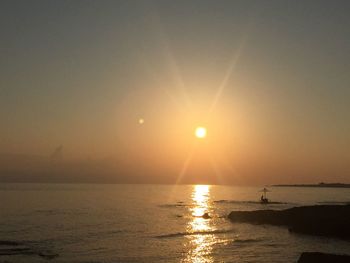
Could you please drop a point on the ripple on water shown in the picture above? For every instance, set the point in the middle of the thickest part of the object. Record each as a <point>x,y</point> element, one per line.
<point>13,248</point>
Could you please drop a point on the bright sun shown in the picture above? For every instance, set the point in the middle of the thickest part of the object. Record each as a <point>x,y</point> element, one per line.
<point>201,132</point>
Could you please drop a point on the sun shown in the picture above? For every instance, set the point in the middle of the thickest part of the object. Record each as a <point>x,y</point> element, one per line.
<point>201,132</point>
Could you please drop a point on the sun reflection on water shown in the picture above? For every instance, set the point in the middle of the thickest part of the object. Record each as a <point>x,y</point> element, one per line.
<point>200,244</point>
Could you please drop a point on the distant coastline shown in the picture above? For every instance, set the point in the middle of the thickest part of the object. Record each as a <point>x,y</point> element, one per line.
<point>320,185</point>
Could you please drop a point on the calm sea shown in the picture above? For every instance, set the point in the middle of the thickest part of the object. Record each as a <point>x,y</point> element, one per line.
<point>151,223</point>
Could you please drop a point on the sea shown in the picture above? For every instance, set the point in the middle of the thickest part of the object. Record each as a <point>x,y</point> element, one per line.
<point>153,223</point>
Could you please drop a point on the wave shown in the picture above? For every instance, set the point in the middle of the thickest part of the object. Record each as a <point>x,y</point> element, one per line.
<point>248,240</point>
<point>173,205</point>
<point>9,243</point>
<point>12,248</point>
<point>210,232</point>
<point>59,212</point>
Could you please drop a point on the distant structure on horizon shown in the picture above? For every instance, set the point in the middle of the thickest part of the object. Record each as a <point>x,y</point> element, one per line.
<point>333,185</point>
<point>57,154</point>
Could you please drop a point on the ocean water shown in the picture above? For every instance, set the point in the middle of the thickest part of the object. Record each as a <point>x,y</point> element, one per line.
<point>151,223</point>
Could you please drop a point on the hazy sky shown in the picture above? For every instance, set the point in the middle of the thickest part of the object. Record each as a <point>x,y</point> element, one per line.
<point>269,79</point>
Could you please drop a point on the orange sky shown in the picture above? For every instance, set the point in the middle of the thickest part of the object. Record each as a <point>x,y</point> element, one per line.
<point>268,82</point>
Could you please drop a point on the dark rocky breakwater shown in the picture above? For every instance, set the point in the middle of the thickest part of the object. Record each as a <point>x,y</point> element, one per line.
<point>320,220</point>
<point>317,257</point>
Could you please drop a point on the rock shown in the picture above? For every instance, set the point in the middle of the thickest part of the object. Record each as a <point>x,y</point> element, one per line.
<point>317,257</point>
<point>321,220</point>
<point>206,216</point>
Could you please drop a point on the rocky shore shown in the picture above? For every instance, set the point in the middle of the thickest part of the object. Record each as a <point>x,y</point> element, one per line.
<point>317,257</point>
<point>320,220</point>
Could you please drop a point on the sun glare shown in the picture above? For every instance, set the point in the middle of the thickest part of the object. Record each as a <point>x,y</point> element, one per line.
<point>201,245</point>
<point>201,132</point>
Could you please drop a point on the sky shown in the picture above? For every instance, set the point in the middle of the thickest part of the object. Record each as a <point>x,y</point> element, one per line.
<point>268,79</point>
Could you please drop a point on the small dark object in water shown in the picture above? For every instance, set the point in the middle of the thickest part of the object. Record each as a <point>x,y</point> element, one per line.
<point>206,216</point>
<point>317,257</point>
